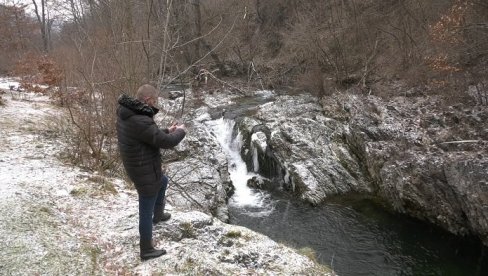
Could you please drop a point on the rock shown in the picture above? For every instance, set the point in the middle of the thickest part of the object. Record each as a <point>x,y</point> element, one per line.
<point>302,148</point>
<point>468,178</point>
<point>449,191</point>
<point>421,159</point>
<point>175,94</point>
<point>197,168</point>
<point>262,183</point>
<point>199,244</point>
<point>408,151</point>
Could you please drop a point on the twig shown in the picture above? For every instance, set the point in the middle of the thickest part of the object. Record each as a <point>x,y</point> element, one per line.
<point>463,142</point>
<point>205,56</point>
<point>204,72</point>
<point>183,104</point>
<point>251,65</point>
<point>185,194</point>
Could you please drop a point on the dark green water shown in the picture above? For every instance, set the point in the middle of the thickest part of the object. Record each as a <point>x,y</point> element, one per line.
<point>359,238</point>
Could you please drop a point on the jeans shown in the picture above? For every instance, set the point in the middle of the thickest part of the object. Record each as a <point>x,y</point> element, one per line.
<point>146,210</point>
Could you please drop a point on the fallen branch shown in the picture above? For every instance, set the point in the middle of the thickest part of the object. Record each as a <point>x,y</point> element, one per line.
<point>464,142</point>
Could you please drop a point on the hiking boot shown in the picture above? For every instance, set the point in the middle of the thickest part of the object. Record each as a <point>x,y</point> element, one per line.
<point>148,251</point>
<point>159,214</point>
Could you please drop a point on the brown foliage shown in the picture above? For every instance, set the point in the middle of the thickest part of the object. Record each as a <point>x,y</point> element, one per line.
<point>460,46</point>
<point>36,70</point>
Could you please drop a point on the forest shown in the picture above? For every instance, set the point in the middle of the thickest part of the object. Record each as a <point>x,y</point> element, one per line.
<point>87,52</point>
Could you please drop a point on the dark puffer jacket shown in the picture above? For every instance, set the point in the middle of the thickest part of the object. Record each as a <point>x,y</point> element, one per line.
<point>139,140</point>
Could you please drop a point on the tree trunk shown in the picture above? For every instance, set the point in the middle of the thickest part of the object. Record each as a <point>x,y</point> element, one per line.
<point>41,19</point>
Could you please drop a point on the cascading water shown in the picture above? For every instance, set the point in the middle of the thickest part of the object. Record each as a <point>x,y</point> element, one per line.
<point>254,201</point>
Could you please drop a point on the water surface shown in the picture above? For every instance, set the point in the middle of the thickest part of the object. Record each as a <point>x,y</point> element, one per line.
<point>360,238</point>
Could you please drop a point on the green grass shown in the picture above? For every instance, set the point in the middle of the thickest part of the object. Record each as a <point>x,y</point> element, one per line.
<point>308,252</point>
<point>233,234</point>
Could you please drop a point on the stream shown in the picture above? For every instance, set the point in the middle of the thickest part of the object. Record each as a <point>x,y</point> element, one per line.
<point>353,237</point>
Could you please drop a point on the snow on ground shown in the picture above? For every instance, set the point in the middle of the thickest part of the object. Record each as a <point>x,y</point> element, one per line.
<point>54,218</point>
<point>6,83</point>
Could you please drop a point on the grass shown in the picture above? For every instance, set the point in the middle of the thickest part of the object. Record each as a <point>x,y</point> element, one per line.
<point>79,191</point>
<point>45,209</point>
<point>108,187</point>
<point>233,234</point>
<point>317,269</point>
<point>94,253</point>
<point>104,186</point>
<point>309,253</point>
<point>39,244</point>
<point>187,230</point>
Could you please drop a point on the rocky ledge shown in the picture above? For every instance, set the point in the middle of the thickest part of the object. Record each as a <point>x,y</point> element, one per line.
<point>416,155</point>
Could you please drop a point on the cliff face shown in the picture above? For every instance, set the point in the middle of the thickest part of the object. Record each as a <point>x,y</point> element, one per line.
<point>420,158</point>
<point>424,160</point>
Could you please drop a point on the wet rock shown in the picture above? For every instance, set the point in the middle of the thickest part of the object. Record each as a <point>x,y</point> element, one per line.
<point>260,182</point>
<point>407,151</point>
<point>197,168</point>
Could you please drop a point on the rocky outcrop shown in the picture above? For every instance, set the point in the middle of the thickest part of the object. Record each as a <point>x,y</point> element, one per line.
<point>306,150</point>
<point>420,158</point>
<point>424,160</point>
<point>197,167</point>
<point>206,246</point>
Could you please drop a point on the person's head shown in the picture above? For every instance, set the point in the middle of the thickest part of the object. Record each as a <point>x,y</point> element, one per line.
<point>147,94</point>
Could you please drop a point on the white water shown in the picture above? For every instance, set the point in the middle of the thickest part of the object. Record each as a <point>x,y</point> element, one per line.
<point>243,195</point>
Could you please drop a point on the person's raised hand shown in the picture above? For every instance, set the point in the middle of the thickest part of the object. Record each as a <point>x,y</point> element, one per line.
<point>172,127</point>
<point>182,126</point>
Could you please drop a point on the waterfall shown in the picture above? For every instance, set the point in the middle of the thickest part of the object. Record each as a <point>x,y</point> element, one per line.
<point>243,195</point>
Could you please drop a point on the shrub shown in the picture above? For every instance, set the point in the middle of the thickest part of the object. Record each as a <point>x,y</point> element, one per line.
<point>38,73</point>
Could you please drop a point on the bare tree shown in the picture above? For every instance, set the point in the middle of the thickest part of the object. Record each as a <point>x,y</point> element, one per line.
<point>44,21</point>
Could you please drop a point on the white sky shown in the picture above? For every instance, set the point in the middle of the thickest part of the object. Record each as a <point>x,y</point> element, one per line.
<point>55,10</point>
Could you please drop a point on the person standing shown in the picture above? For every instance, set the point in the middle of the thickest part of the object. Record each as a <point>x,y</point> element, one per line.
<point>139,142</point>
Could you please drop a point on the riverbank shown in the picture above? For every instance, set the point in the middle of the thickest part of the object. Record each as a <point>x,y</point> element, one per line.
<point>59,219</point>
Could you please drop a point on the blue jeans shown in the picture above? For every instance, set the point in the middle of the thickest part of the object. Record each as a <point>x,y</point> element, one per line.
<point>146,210</point>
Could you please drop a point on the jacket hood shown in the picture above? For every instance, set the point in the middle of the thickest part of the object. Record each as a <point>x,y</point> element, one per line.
<point>132,106</point>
